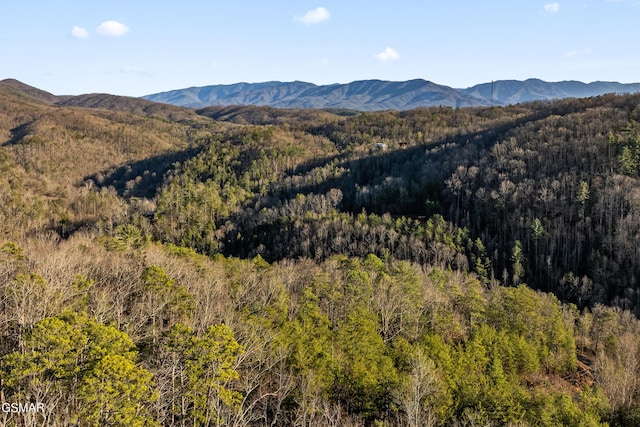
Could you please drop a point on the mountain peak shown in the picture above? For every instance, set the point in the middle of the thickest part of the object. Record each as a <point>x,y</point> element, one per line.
<point>29,91</point>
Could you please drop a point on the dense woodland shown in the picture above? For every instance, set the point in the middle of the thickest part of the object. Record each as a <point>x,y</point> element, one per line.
<point>244,266</point>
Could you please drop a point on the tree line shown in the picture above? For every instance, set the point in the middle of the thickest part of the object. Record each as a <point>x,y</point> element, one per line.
<point>160,335</point>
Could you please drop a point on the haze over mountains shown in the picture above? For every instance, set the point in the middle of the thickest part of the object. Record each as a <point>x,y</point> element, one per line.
<point>375,95</point>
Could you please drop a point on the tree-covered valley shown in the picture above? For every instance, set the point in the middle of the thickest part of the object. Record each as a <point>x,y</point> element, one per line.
<point>251,266</point>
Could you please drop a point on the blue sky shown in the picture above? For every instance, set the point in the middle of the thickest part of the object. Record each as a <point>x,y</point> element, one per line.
<point>136,47</point>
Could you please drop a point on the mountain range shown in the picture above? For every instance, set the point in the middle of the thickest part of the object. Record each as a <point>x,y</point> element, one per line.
<point>375,95</point>
<point>363,95</point>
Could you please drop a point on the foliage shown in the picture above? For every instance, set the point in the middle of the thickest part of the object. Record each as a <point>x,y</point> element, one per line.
<point>206,369</point>
<point>290,273</point>
<point>93,365</point>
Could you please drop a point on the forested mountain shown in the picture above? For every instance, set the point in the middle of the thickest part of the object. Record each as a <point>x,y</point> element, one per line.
<point>251,266</point>
<point>506,92</point>
<point>376,95</point>
<point>17,87</point>
<point>128,105</point>
<point>365,95</point>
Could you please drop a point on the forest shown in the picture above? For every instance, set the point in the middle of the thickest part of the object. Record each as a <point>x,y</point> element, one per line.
<point>250,266</point>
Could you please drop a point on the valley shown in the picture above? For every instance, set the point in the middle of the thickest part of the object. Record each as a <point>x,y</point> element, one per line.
<point>247,265</point>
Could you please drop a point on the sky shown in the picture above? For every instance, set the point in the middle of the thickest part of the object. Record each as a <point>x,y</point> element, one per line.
<point>137,47</point>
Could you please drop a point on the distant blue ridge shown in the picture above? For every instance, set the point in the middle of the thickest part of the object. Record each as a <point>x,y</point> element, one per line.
<point>375,95</point>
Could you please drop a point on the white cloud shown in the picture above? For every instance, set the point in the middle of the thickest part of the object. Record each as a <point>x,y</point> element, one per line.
<point>130,69</point>
<point>552,7</point>
<point>574,53</point>
<point>112,28</point>
<point>79,32</point>
<point>388,55</point>
<point>314,16</point>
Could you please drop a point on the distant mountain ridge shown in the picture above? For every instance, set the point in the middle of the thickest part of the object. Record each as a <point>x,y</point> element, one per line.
<point>363,95</point>
<point>507,92</point>
<point>373,95</point>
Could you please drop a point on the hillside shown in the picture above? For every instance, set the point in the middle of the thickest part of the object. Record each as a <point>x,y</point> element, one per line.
<point>376,95</point>
<point>52,155</point>
<point>540,177</point>
<point>16,87</point>
<point>129,105</point>
<point>250,114</point>
<point>165,266</point>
